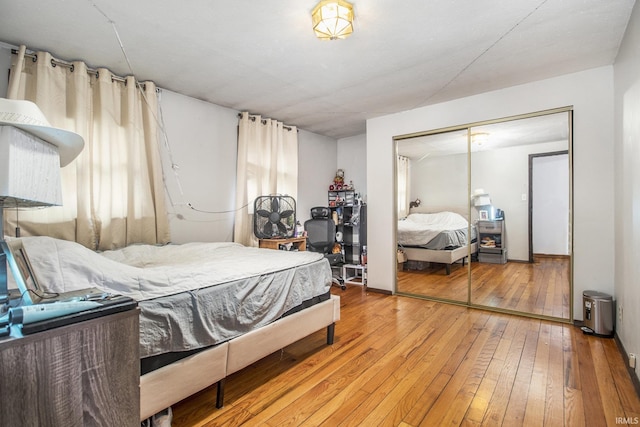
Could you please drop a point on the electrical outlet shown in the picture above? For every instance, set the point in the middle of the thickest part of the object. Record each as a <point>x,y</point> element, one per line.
<point>620,311</point>
<point>632,361</point>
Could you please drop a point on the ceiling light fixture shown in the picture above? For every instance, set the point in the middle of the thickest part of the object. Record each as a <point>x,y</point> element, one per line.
<point>332,19</point>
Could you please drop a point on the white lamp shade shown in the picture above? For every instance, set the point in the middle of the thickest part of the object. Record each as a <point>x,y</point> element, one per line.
<point>29,170</point>
<point>482,201</point>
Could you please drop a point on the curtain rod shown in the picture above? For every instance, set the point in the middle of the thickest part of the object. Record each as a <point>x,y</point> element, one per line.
<point>69,65</point>
<point>264,122</point>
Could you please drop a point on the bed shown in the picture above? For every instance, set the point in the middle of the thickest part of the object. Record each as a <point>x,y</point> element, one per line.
<point>437,236</point>
<point>207,310</point>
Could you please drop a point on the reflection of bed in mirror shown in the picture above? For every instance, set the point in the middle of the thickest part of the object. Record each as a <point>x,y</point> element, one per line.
<point>436,235</point>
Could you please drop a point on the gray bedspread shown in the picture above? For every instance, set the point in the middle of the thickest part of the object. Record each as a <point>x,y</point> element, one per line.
<point>448,239</point>
<point>202,317</point>
<point>192,295</point>
<point>441,230</point>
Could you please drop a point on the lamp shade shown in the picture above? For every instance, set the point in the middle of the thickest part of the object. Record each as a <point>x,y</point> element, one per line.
<point>332,19</point>
<point>481,201</point>
<point>29,170</point>
<point>26,115</point>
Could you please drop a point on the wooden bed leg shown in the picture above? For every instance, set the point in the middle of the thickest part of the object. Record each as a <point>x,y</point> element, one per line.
<point>220,394</point>
<point>447,267</point>
<point>331,329</point>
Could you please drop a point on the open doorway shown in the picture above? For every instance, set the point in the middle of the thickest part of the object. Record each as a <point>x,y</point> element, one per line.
<point>549,204</point>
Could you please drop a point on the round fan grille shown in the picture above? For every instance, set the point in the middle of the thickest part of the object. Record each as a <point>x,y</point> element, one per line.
<point>274,217</point>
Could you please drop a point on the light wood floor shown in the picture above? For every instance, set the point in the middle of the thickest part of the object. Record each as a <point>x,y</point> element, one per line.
<point>541,287</point>
<point>400,361</point>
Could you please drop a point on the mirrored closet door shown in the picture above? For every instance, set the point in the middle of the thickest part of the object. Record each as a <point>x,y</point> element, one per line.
<point>494,198</point>
<point>433,188</point>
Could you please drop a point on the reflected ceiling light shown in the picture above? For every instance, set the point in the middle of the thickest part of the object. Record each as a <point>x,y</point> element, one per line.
<point>479,138</point>
<point>332,19</point>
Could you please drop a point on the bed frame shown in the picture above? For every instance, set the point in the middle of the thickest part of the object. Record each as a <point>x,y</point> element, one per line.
<point>168,385</point>
<point>441,256</point>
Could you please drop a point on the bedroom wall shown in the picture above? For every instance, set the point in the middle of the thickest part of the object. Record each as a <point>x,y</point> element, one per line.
<point>591,94</point>
<point>627,179</point>
<point>352,157</point>
<point>505,185</point>
<point>316,169</point>
<point>202,144</point>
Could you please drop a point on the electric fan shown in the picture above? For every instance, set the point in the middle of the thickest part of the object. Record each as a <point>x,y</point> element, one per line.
<point>274,217</point>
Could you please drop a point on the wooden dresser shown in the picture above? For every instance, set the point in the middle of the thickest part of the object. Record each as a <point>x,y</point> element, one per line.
<point>83,374</point>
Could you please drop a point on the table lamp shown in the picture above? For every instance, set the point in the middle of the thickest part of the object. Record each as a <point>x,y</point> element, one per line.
<point>31,155</point>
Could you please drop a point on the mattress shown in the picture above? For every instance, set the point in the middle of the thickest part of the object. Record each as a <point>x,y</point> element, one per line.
<point>437,231</point>
<point>190,296</point>
<point>151,363</point>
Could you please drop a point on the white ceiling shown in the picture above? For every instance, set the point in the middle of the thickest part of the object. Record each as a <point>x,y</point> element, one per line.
<point>262,56</point>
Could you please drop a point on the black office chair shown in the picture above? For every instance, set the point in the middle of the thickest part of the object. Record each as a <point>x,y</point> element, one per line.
<point>321,236</point>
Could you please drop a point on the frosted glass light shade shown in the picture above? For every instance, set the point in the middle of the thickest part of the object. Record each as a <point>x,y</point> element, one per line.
<point>332,19</point>
<point>29,170</point>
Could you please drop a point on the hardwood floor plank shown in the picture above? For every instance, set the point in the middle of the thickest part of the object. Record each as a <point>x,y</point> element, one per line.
<point>573,403</point>
<point>592,402</point>
<point>406,362</point>
<point>503,390</point>
<point>479,405</point>
<point>626,390</point>
<point>514,414</point>
<point>537,393</point>
<point>573,408</point>
<point>554,408</point>
<point>612,407</point>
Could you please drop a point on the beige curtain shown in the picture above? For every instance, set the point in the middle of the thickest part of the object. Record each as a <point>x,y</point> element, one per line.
<point>404,182</point>
<point>267,164</point>
<point>113,194</point>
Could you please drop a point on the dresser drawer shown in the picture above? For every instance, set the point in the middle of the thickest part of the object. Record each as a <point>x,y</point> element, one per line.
<point>489,226</point>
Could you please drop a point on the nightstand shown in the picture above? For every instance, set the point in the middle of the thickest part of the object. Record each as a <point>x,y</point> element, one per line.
<point>491,241</point>
<point>85,373</point>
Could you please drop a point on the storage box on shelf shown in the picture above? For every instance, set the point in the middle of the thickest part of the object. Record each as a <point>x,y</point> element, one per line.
<point>342,198</point>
